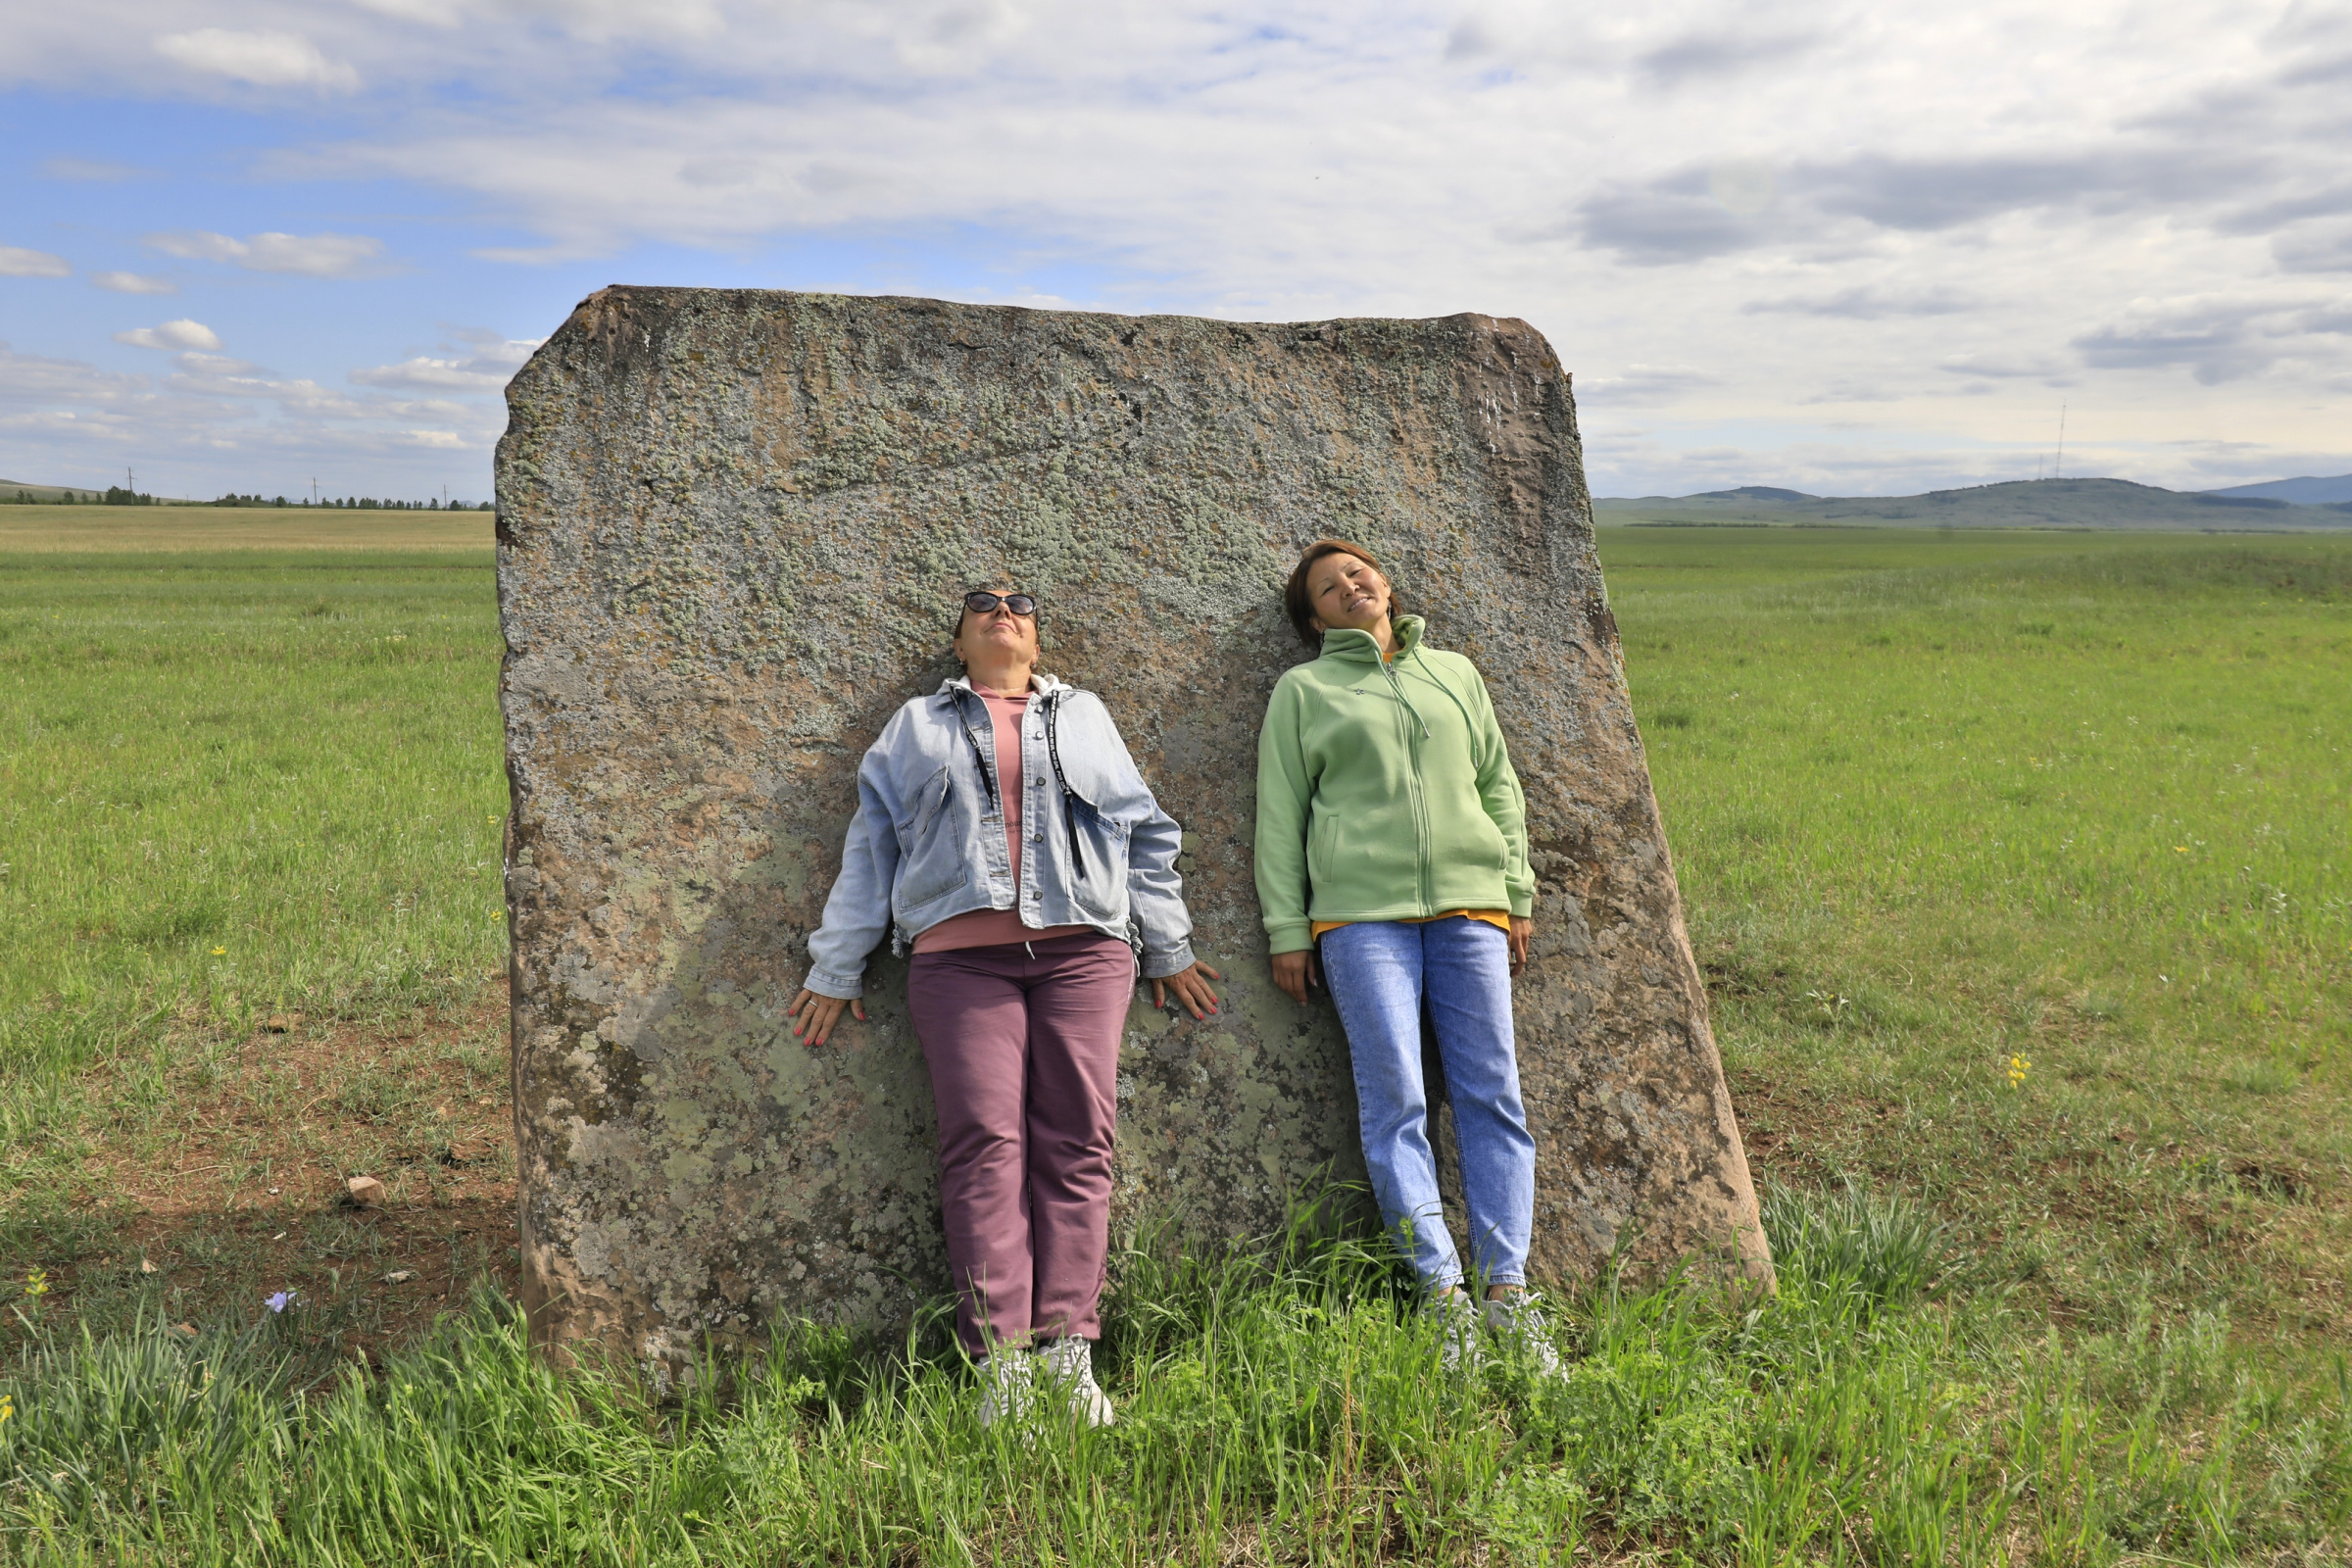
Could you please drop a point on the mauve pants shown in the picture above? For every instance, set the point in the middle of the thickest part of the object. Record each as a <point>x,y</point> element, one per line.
<point>1023,1042</point>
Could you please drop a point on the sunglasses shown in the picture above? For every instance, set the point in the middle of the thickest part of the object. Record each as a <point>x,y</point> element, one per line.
<point>980,603</point>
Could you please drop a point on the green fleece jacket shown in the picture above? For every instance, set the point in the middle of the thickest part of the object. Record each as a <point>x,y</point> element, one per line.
<point>1385,791</point>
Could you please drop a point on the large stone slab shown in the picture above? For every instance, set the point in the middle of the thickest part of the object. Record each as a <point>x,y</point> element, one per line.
<point>732,527</point>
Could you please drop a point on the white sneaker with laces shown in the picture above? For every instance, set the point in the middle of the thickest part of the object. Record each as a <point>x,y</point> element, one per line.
<point>1517,1319</point>
<point>1006,1389</point>
<point>1069,1363</point>
<point>1460,1350</point>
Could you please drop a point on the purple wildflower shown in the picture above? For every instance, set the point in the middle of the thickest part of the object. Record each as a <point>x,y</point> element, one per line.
<point>279,1303</point>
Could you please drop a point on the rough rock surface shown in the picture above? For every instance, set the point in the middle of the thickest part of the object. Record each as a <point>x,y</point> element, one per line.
<point>731,529</point>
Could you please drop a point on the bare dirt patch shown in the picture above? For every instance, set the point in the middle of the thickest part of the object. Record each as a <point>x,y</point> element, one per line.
<point>223,1170</point>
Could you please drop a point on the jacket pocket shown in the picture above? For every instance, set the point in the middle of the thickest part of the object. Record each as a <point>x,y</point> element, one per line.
<point>1471,841</point>
<point>931,859</point>
<point>935,796</point>
<point>1322,833</point>
<point>1100,886</point>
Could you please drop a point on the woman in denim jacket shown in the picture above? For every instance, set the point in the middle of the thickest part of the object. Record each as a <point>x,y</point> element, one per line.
<point>1004,833</point>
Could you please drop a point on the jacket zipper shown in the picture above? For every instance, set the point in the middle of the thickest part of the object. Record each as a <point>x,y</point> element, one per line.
<point>1420,803</point>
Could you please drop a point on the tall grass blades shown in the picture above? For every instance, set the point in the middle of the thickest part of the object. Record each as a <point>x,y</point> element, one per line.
<point>1295,1411</point>
<point>1880,1248</point>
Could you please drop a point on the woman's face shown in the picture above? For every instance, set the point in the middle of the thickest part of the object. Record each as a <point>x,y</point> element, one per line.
<point>1345,591</point>
<point>1000,631</point>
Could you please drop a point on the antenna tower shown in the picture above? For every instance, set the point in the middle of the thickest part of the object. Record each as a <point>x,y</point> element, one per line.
<point>2061,472</point>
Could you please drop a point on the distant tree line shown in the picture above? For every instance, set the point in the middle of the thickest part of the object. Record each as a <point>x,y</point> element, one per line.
<point>117,496</point>
<point>372,504</point>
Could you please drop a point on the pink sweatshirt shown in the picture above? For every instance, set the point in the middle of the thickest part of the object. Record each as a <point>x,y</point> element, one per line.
<point>988,928</point>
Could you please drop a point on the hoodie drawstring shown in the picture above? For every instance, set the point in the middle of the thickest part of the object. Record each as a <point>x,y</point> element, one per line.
<point>1071,800</point>
<point>1461,707</point>
<point>1397,687</point>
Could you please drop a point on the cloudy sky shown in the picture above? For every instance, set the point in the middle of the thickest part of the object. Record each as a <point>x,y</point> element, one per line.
<point>1855,248</point>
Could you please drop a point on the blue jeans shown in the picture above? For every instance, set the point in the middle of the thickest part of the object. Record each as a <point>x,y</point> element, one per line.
<point>1381,972</point>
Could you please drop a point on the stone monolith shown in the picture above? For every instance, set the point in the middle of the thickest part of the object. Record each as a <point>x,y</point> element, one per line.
<point>732,529</point>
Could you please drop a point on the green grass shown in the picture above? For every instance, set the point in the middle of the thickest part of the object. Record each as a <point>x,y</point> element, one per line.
<point>234,784</point>
<point>1281,1407</point>
<point>2017,864</point>
<point>2084,803</point>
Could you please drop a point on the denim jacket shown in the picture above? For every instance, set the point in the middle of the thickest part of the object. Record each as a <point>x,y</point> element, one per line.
<point>928,840</point>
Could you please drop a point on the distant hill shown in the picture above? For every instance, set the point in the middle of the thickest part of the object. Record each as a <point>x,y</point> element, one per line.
<point>1754,492</point>
<point>45,492</point>
<point>2300,492</point>
<point>1747,495</point>
<point>2020,504</point>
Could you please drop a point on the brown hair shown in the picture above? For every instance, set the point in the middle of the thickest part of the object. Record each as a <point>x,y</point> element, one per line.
<point>1301,603</point>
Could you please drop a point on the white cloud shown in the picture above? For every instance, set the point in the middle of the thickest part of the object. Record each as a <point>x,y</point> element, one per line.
<point>1643,385</point>
<point>264,59</point>
<point>487,369</point>
<point>134,283</point>
<point>1724,214</point>
<point>311,255</point>
<point>28,379</point>
<point>172,335</point>
<point>211,364</point>
<point>16,262</point>
<point>217,424</point>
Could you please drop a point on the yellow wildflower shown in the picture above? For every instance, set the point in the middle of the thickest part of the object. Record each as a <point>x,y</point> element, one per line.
<point>2019,1066</point>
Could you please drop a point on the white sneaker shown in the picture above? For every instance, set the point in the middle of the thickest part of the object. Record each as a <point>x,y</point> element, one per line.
<point>1460,1351</point>
<point>1006,1389</point>
<point>1069,1364</point>
<point>1518,1321</point>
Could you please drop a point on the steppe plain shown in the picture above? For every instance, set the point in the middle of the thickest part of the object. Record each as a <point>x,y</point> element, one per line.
<point>2020,863</point>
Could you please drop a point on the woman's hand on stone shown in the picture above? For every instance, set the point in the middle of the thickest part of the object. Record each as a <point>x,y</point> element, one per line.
<point>1191,989</point>
<point>1296,971</point>
<point>813,1017</point>
<point>1523,930</point>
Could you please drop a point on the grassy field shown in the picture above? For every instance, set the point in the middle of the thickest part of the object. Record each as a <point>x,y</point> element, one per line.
<point>238,791</point>
<point>1946,804</point>
<point>74,530</point>
<point>2017,864</point>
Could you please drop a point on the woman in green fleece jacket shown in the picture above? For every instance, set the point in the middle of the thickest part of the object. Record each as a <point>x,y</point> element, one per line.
<point>1392,833</point>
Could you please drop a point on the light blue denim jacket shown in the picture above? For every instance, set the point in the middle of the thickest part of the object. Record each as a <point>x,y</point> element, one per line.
<point>928,840</point>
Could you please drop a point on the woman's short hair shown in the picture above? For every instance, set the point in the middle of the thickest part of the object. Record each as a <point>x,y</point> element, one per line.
<point>1300,601</point>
